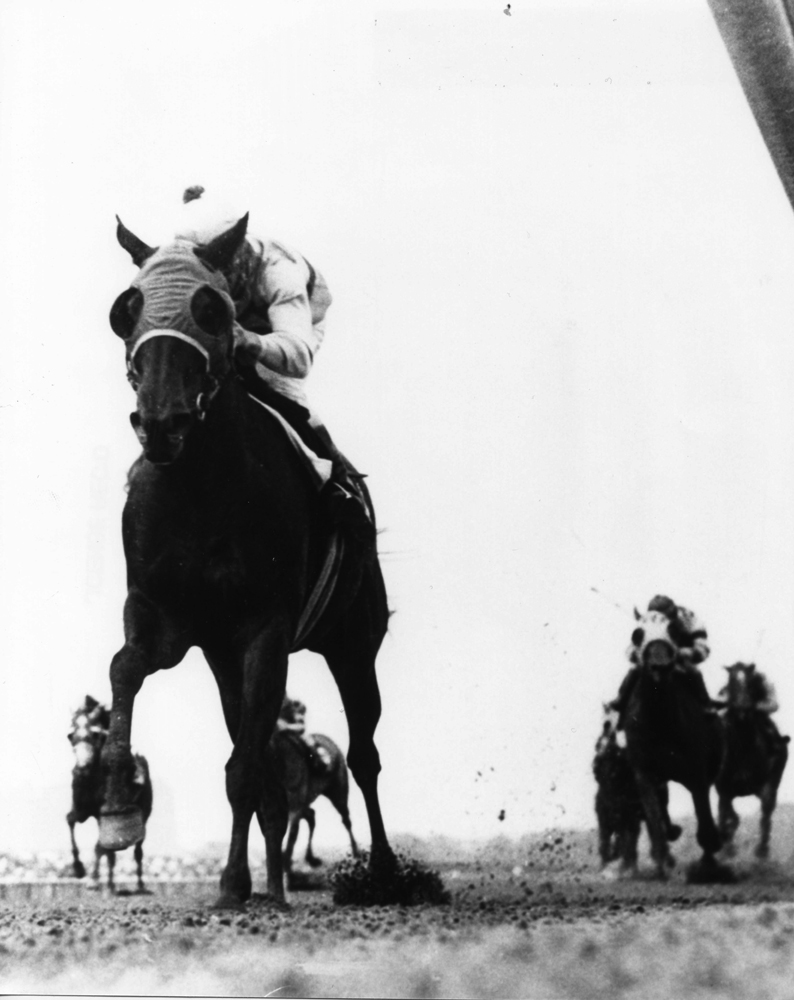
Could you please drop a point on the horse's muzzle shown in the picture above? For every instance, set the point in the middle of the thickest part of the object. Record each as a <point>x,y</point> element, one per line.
<point>162,440</point>
<point>659,653</point>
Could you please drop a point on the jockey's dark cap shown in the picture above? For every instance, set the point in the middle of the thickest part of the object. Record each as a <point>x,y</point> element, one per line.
<point>666,605</point>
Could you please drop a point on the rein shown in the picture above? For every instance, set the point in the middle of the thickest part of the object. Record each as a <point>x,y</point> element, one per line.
<point>203,399</point>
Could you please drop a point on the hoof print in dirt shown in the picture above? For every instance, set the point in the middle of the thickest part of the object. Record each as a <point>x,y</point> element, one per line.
<point>407,883</point>
<point>708,871</point>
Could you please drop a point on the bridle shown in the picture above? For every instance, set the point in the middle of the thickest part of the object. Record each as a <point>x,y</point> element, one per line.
<point>206,396</point>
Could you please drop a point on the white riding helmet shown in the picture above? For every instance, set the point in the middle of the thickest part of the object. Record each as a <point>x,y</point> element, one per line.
<point>202,218</point>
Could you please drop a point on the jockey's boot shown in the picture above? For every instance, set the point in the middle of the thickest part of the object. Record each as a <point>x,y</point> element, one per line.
<point>346,504</point>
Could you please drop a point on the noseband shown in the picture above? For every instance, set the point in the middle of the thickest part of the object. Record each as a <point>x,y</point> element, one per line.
<point>204,398</point>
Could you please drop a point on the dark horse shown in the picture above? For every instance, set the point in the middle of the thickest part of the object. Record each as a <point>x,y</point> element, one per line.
<point>87,736</point>
<point>670,736</point>
<point>755,760</point>
<point>304,783</point>
<point>225,536</point>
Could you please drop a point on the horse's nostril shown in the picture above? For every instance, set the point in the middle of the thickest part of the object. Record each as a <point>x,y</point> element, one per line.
<point>135,420</point>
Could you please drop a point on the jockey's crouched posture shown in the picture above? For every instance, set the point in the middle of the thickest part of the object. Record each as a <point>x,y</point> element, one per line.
<point>690,637</point>
<point>280,302</point>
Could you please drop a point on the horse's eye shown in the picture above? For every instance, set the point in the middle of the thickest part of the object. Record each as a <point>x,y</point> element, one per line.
<point>637,636</point>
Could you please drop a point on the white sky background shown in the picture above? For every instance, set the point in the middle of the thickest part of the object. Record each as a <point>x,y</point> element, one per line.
<point>560,346</point>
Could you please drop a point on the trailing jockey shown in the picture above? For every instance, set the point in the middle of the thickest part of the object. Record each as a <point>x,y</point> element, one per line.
<point>689,636</point>
<point>750,691</point>
<point>280,303</point>
<point>292,719</point>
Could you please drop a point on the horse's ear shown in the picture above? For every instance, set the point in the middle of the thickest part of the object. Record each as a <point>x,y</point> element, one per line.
<point>137,249</point>
<point>211,310</point>
<point>125,312</point>
<point>218,253</point>
<point>637,615</point>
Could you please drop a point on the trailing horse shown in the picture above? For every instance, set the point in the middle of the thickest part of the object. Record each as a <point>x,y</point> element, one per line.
<point>303,784</point>
<point>755,759</point>
<point>87,736</point>
<point>672,736</point>
<point>225,537</point>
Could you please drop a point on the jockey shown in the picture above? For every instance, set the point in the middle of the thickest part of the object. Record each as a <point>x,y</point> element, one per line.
<point>760,693</point>
<point>280,302</point>
<point>292,719</point>
<point>690,636</point>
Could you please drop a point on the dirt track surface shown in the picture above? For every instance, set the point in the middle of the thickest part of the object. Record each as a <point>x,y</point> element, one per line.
<point>533,919</point>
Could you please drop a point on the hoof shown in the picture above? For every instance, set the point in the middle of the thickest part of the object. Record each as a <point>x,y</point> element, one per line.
<point>616,871</point>
<point>708,870</point>
<point>78,869</point>
<point>762,852</point>
<point>674,831</point>
<point>313,862</point>
<point>729,850</point>
<point>120,830</point>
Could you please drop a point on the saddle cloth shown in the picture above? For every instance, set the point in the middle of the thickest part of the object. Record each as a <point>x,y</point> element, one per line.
<point>319,468</point>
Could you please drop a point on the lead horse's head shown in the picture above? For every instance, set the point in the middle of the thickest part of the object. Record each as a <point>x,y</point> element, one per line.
<point>656,649</point>
<point>177,321</point>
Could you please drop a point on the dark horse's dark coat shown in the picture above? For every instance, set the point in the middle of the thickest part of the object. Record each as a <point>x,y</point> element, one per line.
<point>224,538</point>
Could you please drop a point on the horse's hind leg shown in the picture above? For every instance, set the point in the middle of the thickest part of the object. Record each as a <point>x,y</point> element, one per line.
<point>293,826</point>
<point>311,820</point>
<point>338,797</point>
<point>354,672</point>
<point>77,865</point>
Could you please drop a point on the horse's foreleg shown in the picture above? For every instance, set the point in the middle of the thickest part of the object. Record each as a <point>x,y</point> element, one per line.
<point>768,802</point>
<point>252,781</point>
<point>99,852</point>
<point>707,835</point>
<point>151,645</point>
<point>654,820</point>
<point>139,865</point>
<point>77,865</point>
<point>728,821</point>
<point>111,856</point>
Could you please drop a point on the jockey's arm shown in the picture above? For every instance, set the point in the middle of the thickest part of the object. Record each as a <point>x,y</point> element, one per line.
<point>290,348</point>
